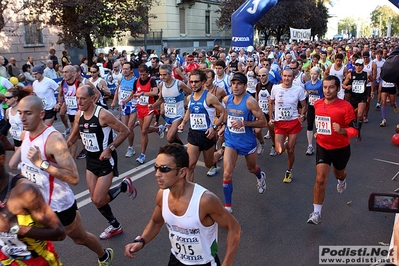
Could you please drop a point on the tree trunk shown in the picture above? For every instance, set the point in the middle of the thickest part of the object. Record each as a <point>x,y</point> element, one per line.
<point>90,48</point>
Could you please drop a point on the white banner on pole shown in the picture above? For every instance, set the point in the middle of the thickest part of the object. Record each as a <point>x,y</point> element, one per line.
<point>300,34</point>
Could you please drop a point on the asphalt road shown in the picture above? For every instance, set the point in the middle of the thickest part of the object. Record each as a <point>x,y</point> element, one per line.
<point>274,228</point>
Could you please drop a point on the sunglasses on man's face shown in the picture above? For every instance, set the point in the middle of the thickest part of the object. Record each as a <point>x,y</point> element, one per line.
<point>165,168</point>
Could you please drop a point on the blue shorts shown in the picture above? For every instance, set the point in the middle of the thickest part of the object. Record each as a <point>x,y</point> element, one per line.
<point>128,110</point>
<point>170,121</point>
<point>241,150</point>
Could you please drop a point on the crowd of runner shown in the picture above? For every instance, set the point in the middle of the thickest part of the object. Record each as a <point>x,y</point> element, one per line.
<point>232,101</point>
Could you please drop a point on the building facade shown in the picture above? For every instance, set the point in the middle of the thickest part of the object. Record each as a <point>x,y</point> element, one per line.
<point>20,41</point>
<point>184,24</point>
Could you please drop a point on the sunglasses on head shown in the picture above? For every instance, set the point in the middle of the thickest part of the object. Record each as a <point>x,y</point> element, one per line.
<point>165,168</point>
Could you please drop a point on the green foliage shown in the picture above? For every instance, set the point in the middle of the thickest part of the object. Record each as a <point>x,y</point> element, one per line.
<point>106,18</point>
<point>349,25</point>
<point>303,14</point>
<point>380,17</point>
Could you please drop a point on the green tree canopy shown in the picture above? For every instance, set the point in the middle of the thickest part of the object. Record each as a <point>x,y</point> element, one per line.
<point>82,21</point>
<point>380,17</point>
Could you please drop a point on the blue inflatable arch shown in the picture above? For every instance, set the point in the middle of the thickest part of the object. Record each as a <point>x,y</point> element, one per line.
<point>244,19</point>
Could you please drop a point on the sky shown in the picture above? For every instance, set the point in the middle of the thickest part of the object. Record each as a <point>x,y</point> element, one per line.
<point>358,8</point>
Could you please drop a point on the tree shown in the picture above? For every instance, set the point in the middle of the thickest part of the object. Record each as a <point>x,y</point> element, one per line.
<point>380,17</point>
<point>286,14</point>
<point>82,21</point>
<point>349,25</point>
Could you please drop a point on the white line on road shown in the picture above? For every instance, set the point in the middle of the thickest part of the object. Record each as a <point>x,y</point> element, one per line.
<point>82,199</point>
<point>85,201</point>
<point>395,163</point>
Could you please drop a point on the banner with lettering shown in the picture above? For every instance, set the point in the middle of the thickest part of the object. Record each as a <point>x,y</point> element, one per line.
<point>244,19</point>
<point>300,34</point>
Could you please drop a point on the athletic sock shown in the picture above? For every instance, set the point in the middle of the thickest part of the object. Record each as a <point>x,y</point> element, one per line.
<point>103,258</point>
<point>107,213</point>
<point>317,208</point>
<point>384,112</point>
<point>114,192</point>
<point>227,191</point>
<point>258,173</point>
<point>123,187</point>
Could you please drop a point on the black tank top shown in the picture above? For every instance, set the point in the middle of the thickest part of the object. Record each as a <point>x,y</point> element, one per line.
<point>234,66</point>
<point>359,82</point>
<point>94,137</point>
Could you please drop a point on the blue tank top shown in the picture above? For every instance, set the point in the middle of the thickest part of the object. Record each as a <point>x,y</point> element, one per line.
<point>241,137</point>
<point>126,88</point>
<point>201,115</point>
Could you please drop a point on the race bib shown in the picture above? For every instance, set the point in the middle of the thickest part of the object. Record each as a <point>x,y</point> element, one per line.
<point>313,98</point>
<point>33,174</point>
<point>71,102</point>
<point>284,113</point>
<point>90,142</point>
<point>125,94</point>
<point>230,119</point>
<point>358,86</point>
<point>170,109</point>
<point>144,100</point>
<point>187,248</point>
<point>323,125</point>
<point>198,122</point>
<point>16,131</point>
<point>12,247</point>
<point>264,105</point>
<point>251,84</point>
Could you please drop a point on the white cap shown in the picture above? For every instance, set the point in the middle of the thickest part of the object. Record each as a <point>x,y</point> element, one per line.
<point>359,61</point>
<point>250,49</point>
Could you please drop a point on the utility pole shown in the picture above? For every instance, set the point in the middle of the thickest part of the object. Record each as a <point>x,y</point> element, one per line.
<point>379,35</point>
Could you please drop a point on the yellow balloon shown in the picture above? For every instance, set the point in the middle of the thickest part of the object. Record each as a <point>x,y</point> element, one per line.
<point>14,80</point>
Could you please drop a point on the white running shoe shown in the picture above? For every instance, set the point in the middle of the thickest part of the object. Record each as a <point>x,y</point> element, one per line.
<point>261,148</point>
<point>273,151</point>
<point>228,209</point>
<point>314,218</point>
<point>130,152</point>
<point>341,188</point>
<point>141,158</point>
<point>309,151</point>
<point>212,171</point>
<point>161,131</point>
<point>261,186</point>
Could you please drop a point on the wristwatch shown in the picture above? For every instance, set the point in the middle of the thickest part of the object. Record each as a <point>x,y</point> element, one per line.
<point>215,127</point>
<point>139,239</point>
<point>111,147</point>
<point>44,165</point>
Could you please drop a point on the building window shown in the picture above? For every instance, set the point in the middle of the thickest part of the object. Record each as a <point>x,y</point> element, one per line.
<point>33,34</point>
<point>207,22</point>
<point>182,14</point>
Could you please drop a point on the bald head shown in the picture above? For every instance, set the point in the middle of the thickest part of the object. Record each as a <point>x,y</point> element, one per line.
<point>263,71</point>
<point>32,102</point>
